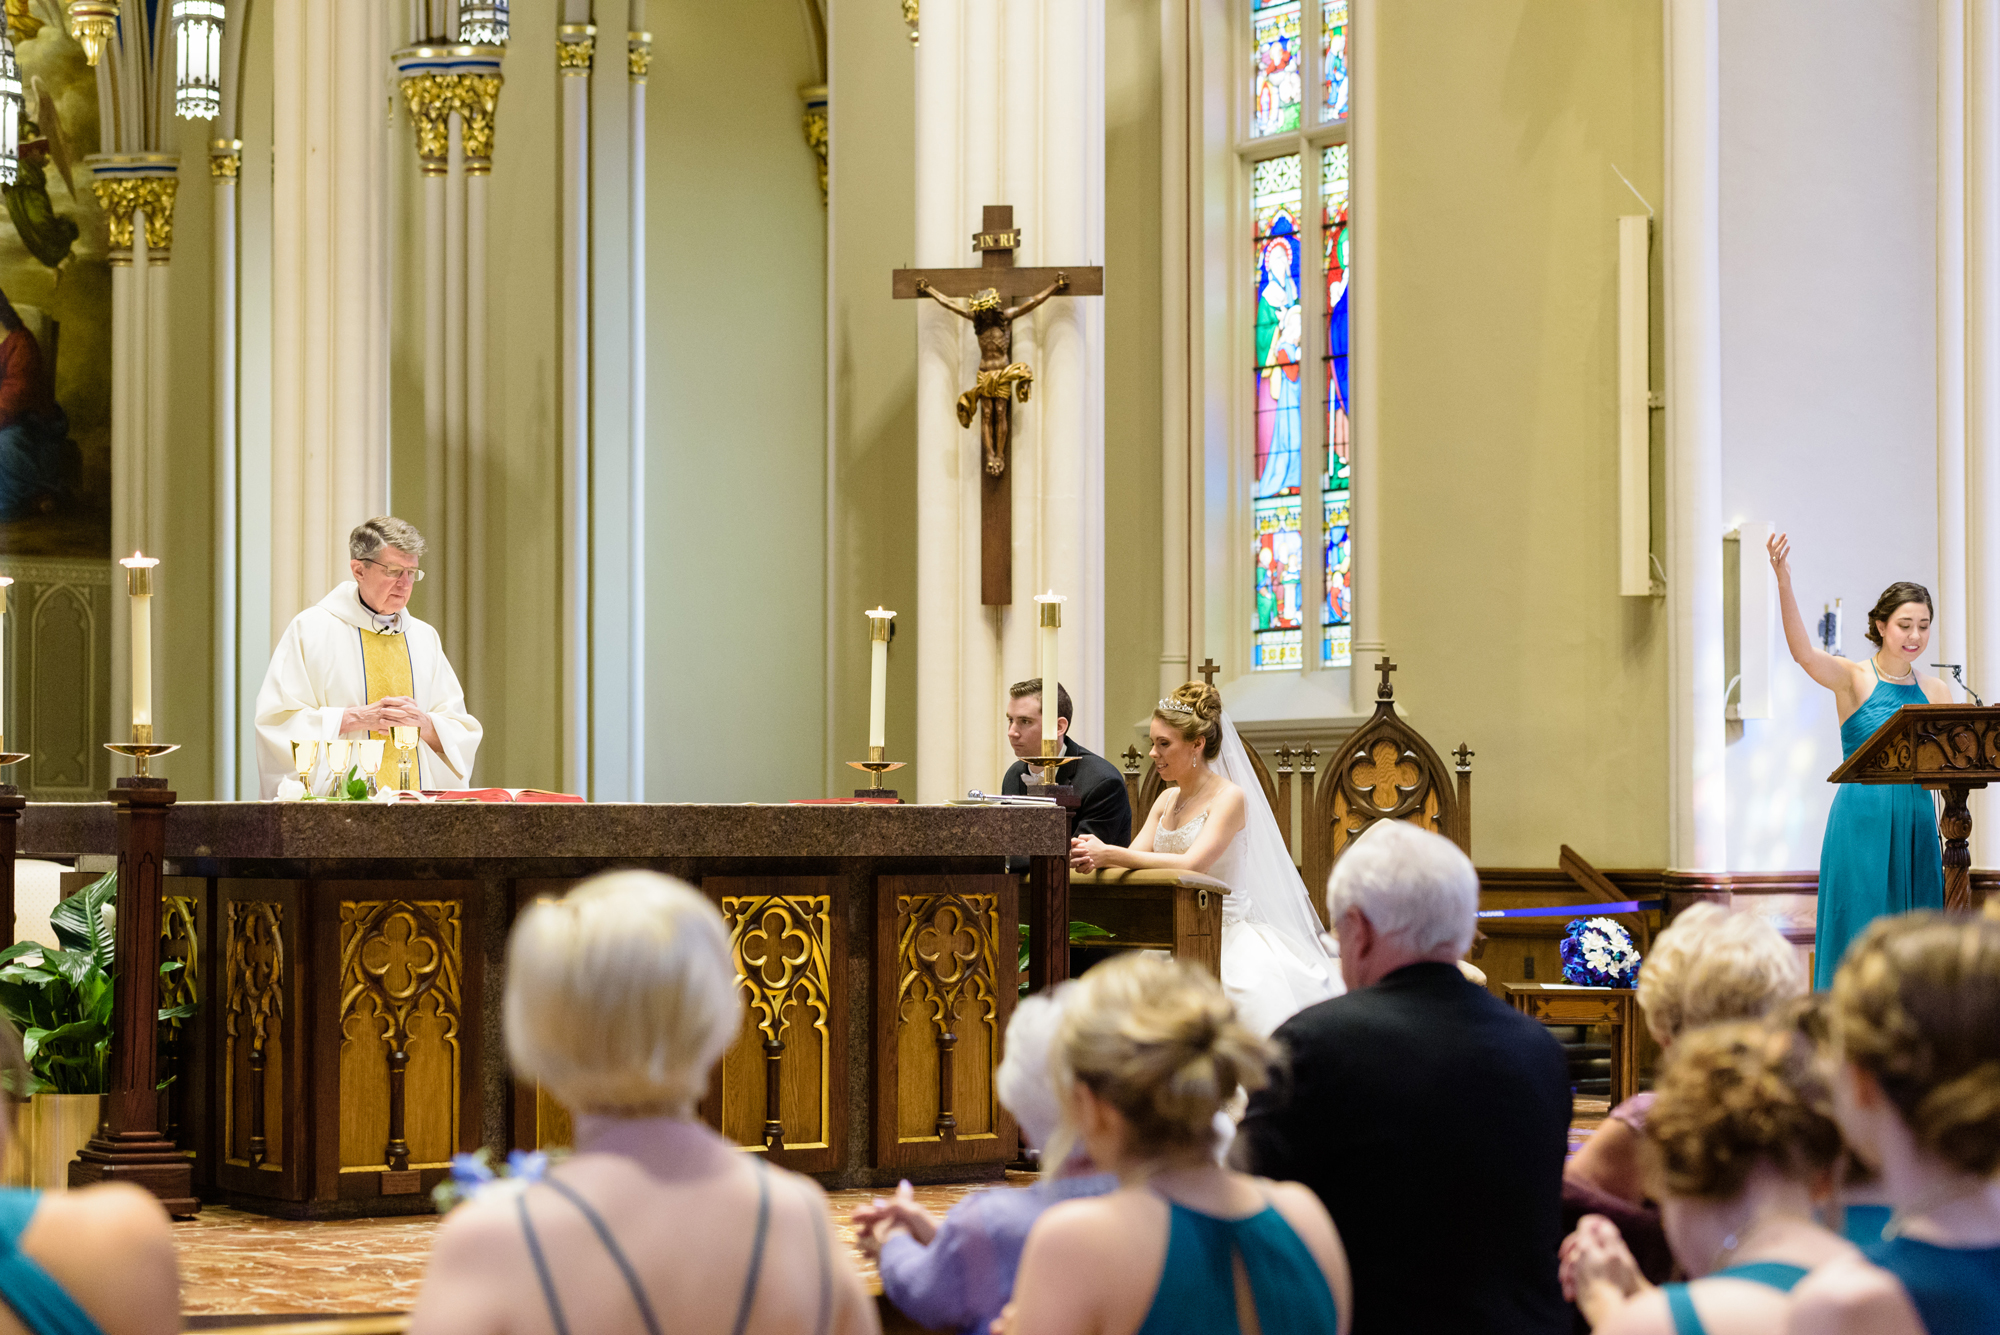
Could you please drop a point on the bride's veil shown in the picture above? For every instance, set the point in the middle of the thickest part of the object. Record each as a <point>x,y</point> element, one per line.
<point>1268,888</point>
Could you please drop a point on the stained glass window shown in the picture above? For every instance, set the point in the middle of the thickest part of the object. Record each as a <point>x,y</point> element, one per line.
<point>1337,614</point>
<point>1276,198</point>
<point>1333,59</point>
<point>1279,85</point>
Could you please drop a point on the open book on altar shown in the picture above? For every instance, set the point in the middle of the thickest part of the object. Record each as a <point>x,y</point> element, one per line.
<point>497,795</point>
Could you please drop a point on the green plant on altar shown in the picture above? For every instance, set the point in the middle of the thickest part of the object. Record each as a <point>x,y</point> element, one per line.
<point>60,997</point>
<point>1078,932</point>
<point>352,788</point>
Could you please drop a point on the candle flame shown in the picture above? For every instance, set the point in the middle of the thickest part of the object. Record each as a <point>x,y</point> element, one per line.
<point>1051,597</point>
<point>879,612</point>
<point>138,560</point>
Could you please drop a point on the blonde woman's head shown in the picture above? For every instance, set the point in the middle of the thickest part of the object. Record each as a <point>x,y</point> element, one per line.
<point>1710,966</point>
<point>621,996</point>
<point>1155,1040</point>
<point>1916,1006</point>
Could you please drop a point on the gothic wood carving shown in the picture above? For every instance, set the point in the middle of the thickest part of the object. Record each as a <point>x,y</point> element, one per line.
<point>255,970</point>
<point>395,955</point>
<point>947,962</point>
<point>180,939</point>
<point>780,946</point>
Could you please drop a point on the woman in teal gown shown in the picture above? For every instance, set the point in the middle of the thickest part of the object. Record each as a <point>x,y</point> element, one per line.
<point>1881,854</point>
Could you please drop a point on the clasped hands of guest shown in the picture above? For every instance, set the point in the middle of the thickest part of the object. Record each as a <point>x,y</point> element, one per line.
<point>1597,1268</point>
<point>875,1221</point>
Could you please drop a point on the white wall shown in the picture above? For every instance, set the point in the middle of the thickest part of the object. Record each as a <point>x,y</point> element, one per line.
<point>1829,352</point>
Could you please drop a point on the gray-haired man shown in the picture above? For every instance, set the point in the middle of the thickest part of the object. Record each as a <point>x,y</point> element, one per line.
<point>357,664</point>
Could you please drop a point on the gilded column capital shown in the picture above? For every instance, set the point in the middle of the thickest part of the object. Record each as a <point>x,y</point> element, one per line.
<point>638,55</point>
<point>130,184</point>
<point>814,96</point>
<point>576,48</point>
<point>910,17</point>
<point>225,159</point>
<point>437,88</point>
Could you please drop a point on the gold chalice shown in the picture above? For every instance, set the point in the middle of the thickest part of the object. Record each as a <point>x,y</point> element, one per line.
<point>336,761</point>
<point>405,736</point>
<point>303,756</point>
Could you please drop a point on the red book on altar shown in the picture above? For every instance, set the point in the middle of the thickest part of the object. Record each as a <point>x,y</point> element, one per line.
<point>498,795</point>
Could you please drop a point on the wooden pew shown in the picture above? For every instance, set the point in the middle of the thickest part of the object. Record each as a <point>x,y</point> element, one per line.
<point>1178,911</point>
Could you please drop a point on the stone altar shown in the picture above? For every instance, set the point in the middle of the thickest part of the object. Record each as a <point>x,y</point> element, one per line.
<point>348,961</point>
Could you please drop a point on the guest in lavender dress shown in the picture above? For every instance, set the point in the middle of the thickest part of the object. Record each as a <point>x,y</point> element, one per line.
<point>958,1272</point>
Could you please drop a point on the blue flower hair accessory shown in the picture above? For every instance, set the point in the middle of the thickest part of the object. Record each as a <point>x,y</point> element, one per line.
<point>1598,952</point>
<point>475,1173</point>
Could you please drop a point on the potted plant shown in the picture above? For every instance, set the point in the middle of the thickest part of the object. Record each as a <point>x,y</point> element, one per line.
<point>60,999</point>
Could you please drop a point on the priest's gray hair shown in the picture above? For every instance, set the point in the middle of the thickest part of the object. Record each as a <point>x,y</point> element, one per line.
<point>621,996</point>
<point>1025,1082</point>
<point>1413,886</point>
<point>384,531</point>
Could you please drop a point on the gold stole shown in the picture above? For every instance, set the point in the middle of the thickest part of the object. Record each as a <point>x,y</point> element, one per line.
<point>385,662</point>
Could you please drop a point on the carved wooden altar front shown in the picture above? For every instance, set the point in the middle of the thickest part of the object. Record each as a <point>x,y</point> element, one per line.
<point>348,1040</point>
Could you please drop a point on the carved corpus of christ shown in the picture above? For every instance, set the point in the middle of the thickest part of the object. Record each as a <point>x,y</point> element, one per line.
<point>981,295</point>
<point>999,374</point>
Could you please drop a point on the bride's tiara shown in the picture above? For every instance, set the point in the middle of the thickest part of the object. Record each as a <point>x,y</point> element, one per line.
<point>1173,706</point>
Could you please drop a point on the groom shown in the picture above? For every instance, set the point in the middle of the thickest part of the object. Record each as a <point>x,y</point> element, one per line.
<point>1102,808</point>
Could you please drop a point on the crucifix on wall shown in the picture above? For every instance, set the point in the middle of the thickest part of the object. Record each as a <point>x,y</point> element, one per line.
<point>992,297</point>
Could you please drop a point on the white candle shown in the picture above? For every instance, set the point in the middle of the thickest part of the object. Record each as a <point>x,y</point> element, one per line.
<point>1050,604</point>
<point>878,680</point>
<point>139,583</point>
<point>4,582</point>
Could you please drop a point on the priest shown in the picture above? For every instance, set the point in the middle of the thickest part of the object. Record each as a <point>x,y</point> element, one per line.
<point>357,664</point>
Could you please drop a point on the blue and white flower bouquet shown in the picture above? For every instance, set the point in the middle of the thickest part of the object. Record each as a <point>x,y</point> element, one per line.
<point>475,1173</point>
<point>1598,952</point>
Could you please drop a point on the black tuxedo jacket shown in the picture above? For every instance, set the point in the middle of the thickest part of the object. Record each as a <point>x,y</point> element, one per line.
<point>1432,1119</point>
<point>1103,808</point>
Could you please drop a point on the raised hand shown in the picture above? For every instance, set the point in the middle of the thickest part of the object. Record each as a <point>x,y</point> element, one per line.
<point>1780,548</point>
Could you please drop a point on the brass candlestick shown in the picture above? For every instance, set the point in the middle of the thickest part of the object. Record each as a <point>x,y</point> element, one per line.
<point>9,758</point>
<point>876,766</point>
<point>141,748</point>
<point>1048,762</point>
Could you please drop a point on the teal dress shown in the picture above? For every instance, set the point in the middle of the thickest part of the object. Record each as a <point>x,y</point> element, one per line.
<point>1881,853</point>
<point>1771,1274</point>
<point>1197,1293</point>
<point>1956,1290</point>
<point>40,1304</point>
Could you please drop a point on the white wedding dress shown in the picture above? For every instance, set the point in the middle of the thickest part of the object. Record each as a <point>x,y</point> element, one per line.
<point>1275,960</point>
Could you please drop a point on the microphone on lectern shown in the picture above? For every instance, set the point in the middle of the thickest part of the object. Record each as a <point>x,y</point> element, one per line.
<point>1957,671</point>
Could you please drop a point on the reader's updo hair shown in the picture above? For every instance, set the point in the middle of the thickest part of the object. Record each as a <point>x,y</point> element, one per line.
<point>1731,1096</point>
<point>1156,1039</point>
<point>1916,1005</point>
<point>1201,721</point>
<point>1893,597</point>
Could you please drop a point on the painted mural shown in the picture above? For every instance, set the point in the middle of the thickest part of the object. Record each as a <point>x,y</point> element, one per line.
<point>55,308</point>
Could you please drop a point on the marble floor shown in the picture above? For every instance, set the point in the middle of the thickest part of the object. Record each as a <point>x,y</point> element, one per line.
<point>236,1265</point>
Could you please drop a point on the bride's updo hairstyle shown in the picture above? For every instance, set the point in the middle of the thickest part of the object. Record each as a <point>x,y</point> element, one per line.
<point>1893,597</point>
<point>1195,712</point>
<point>1156,1039</point>
<point>1916,1004</point>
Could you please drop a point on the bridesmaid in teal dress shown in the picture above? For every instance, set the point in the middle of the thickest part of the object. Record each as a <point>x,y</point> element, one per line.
<point>1881,854</point>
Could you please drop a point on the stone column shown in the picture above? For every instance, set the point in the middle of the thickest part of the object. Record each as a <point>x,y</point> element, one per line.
<point>136,192</point>
<point>638,62</point>
<point>1010,110</point>
<point>576,42</point>
<point>225,165</point>
<point>1978,343</point>
<point>330,293</point>
<point>1696,729</point>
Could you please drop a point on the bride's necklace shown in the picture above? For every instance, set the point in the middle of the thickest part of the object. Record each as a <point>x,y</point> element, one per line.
<point>1909,676</point>
<point>1187,797</point>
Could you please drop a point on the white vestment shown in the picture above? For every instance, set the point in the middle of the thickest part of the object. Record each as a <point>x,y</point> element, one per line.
<point>316,675</point>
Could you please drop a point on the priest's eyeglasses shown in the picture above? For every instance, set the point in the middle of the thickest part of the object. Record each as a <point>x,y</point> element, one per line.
<point>397,573</point>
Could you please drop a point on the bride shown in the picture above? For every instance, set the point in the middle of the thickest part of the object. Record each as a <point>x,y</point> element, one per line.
<point>1213,819</point>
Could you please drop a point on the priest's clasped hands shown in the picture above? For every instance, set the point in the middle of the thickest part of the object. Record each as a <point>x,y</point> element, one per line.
<point>391,711</point>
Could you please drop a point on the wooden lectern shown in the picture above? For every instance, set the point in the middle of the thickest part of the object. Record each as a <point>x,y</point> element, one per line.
<point>1951,748</point>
